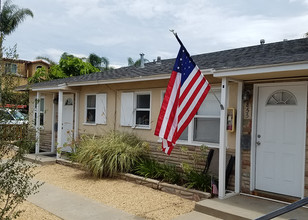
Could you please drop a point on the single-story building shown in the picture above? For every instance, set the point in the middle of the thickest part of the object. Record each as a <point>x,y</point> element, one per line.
<point>263,91</point>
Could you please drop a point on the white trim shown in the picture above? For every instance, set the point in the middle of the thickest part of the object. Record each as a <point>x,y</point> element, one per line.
<point>53,118</point>
<point>86,107</point>
<point>125,80</point>
<point>142,109</point>
<point>76,115</point>
<point>37,122</point>
<point>223,139</point>
<point>238,154</point>
<point>59,87</point>
<point>35,109</point>
<point>60,121</point>
<point>304,149</point>
<point>261,69</point>
<point>254,129</point>
<point>253,138</point>
<point>89,124</point>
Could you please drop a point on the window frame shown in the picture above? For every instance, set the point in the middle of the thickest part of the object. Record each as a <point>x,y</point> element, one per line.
<point>139,126</point>
<point>8,68</point>
<point>86,108</point>
<point>191,125</point>
<point>96,122</point>
<point>41,112</point>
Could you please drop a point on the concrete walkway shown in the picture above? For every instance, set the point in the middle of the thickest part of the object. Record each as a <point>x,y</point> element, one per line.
<point>70,206</point>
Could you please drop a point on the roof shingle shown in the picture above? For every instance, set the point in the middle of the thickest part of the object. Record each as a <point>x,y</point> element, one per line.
<point>266,54</point>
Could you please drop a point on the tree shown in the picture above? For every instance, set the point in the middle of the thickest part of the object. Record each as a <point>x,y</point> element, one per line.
<point>10,17</point>
<point>74,66</point>
<point>69,65</point>
<point>136,63</point>
<point>16,176</point>
<point>101,63</point>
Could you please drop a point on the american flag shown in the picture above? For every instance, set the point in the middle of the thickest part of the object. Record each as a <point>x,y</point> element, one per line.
<point>186,90</point>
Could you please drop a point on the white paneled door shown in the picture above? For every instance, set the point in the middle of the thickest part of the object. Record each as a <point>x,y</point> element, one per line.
<point>280,138</point>
<point>68,120</point>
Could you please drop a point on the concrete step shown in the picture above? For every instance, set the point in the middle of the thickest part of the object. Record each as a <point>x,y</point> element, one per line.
<point>242,207</point>
<point>40,159</point>
<point>195,216</point>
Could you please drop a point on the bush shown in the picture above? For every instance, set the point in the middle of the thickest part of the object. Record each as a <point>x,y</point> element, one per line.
<point>152,169</point>
<point>111,154</point>
<point>197,180</point>
<point>148,168</point>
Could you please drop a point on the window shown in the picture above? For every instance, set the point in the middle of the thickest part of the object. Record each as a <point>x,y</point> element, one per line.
<point>38,67</point>
<point>41,102</point>
<point>136,109</point>
<point>10,68</point>
<point>90,108</point>
<point>281,97</point>
<point>206,124</point>
<point>96,109</point>
<point>142,110</point>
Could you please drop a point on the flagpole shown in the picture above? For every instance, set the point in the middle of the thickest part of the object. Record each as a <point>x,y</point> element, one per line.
<point>180,42</point>
<point>177,37</point>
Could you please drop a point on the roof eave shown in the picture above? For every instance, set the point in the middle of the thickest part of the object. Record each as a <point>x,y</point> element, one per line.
<point>121,80</point>
<point>261,69</point>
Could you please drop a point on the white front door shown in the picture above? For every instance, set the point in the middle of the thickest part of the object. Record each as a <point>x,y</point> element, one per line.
<point>67,121</point>
<point>280,138</point>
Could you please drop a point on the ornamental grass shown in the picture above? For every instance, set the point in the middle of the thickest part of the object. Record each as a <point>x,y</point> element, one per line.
<point>113,153</point>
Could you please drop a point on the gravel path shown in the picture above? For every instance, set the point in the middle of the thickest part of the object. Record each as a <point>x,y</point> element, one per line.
<point>34,212</point>
<point>135,199</point>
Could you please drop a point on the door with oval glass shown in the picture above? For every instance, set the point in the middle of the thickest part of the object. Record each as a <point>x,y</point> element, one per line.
<point>280,138</point>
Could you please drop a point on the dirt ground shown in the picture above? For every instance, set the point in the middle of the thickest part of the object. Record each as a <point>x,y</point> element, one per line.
<point>132,198</point>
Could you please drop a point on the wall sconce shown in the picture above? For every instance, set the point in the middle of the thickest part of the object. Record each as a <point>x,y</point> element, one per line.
<point>55,101</point>
<point>246,95</point>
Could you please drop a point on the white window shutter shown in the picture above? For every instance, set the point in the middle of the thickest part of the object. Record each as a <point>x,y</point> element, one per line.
<point>127,108</point>
<point>101,109</point>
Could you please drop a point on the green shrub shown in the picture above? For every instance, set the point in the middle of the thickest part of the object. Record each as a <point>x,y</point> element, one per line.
<point>111,154</point>
<point>171,174</point>
<point>197,180</point>
<point>148,168</point>
<point>152,169</point>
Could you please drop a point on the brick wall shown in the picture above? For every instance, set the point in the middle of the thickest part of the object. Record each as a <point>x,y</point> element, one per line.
<point>45,141</point>
<point>178,156</point>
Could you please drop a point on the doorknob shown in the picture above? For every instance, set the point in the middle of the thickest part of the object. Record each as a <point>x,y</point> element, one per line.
<point>258,143</point>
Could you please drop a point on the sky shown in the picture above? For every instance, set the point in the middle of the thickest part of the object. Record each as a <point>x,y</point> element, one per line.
<point>118,29</point>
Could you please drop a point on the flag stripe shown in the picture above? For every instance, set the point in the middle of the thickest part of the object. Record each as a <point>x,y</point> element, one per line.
<point>193,102</point>
<point>194,96</point>
<point>167,105</point>
<point>185,123</point>
<point>170,111</point>
<point>189,79</point>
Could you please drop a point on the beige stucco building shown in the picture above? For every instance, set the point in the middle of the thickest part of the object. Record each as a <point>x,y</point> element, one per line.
<point>263,91</point>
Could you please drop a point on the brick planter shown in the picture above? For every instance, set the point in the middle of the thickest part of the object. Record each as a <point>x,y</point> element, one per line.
<point>166,187</point>
<point>183,192</point>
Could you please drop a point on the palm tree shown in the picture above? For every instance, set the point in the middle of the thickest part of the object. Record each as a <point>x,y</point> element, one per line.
<point>136,63</point>
<point>101,63</point>
<point>10,17</point>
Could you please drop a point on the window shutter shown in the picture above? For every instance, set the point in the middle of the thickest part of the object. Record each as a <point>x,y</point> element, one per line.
<point>101,110</point>
<point>127,108</point>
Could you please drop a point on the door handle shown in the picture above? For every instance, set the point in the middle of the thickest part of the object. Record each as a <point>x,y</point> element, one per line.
<point>258,143</point>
